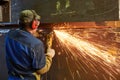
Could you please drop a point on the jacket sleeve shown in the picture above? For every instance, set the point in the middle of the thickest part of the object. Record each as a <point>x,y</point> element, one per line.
<point>47,65</point>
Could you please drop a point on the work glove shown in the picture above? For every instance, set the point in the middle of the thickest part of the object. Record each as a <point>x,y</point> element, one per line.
<point>50,52</point>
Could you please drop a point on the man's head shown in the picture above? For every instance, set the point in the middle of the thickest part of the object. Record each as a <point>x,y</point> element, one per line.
<point>29,18</point>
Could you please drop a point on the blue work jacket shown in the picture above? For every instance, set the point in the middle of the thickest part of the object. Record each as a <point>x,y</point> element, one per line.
<point>24,55</point>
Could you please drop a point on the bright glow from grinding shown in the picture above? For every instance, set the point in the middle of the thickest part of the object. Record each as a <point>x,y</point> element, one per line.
<point>81,50</point>
<point>85,47</point>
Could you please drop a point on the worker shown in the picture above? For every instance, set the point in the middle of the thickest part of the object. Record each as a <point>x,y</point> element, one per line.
<point>25,55</point>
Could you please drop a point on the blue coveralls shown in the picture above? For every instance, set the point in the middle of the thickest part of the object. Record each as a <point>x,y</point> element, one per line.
<point>24,55</point>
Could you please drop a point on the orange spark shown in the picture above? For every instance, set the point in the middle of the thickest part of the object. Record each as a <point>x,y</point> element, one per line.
<point>83,49</point>
<point>85,46</point>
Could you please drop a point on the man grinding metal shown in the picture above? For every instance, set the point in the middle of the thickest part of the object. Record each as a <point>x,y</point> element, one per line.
<point>25,55</point>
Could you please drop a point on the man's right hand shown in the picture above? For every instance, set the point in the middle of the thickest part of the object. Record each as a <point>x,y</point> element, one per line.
<point>51,52</point>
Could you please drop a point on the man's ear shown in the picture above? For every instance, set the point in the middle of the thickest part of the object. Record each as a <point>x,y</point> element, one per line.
<point>35,24</point>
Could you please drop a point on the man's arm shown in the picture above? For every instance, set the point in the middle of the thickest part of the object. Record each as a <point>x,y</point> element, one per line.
<point>50,54</point>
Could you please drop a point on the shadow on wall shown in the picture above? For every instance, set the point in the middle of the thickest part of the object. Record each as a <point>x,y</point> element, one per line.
<point>3,68</point>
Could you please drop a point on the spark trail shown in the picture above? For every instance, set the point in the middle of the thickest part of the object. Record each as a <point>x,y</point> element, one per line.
<point>86,52</point>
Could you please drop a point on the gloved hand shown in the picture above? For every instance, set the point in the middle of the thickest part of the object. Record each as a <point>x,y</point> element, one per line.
<point>50,52</point>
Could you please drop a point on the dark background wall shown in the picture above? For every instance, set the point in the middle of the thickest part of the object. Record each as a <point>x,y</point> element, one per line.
<point>76,10</point>
<point>3,68</point>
